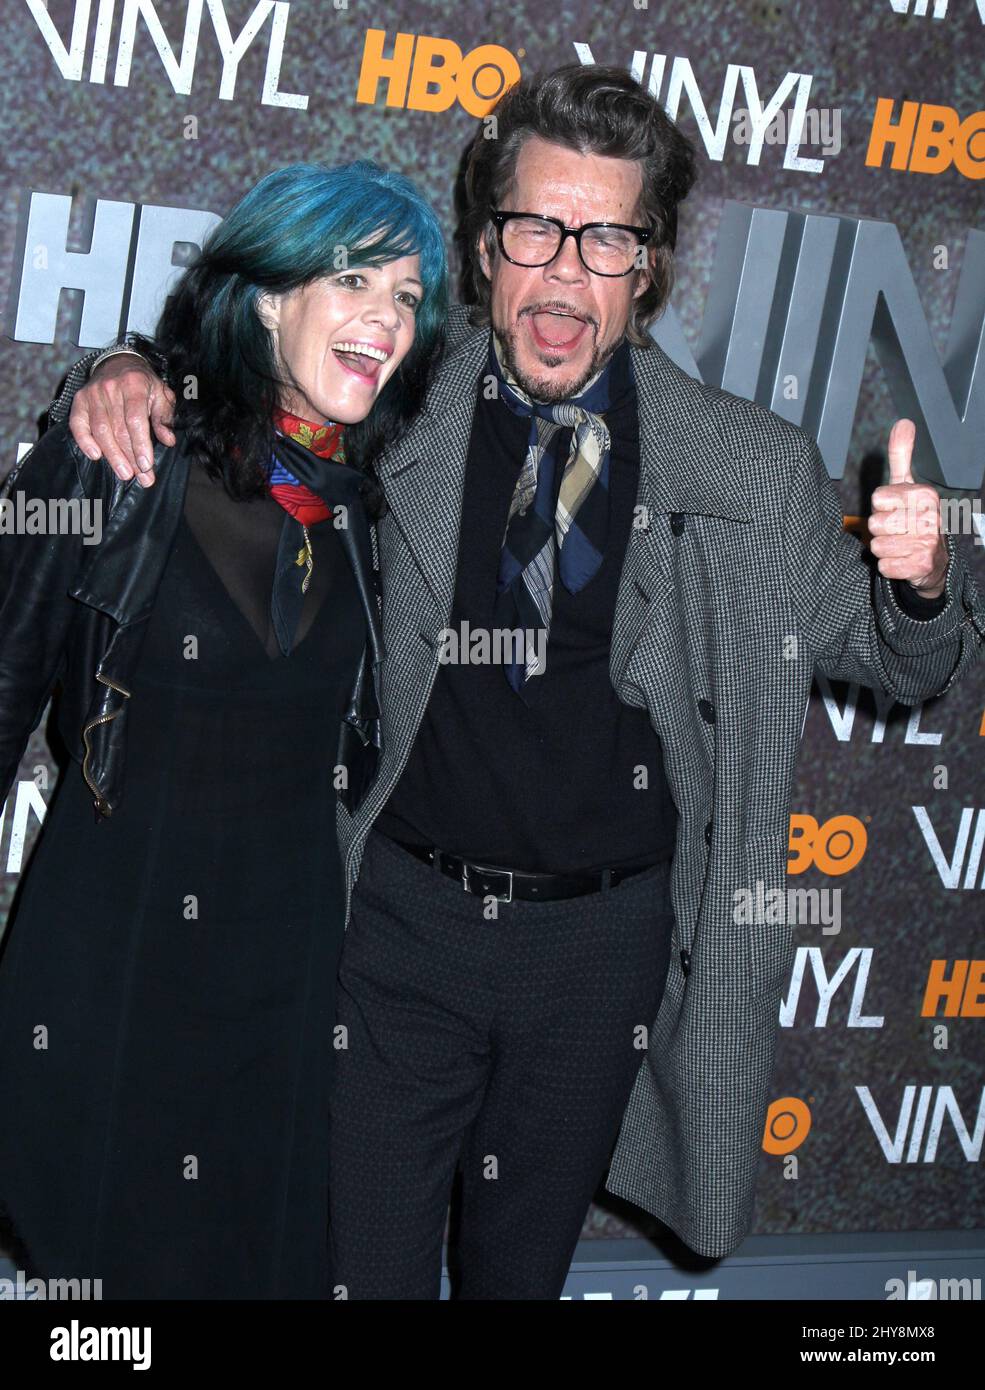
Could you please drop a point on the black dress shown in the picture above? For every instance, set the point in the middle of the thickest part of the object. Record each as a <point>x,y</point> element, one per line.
<point>167,985</point>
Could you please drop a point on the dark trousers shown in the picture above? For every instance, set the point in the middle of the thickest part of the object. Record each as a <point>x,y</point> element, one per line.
<point>509,1044</point>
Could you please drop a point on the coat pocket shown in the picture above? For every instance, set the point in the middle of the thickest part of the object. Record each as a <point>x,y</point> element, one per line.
<point>760,912</point>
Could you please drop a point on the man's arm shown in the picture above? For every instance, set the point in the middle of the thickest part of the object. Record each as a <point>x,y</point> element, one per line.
<point>111,412</point>
<point>36,573</point>
<point>849,612</point>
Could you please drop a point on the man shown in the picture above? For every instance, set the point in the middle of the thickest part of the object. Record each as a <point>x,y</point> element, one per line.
<point>543,939</point>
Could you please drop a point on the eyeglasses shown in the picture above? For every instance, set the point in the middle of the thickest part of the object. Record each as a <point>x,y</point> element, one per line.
<point>605,248</point>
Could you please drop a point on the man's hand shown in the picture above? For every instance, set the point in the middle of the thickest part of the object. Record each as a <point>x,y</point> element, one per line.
<point>906,521</point>
<point>110,416</point>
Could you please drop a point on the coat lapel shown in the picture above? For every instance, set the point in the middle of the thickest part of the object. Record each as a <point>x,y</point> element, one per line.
<point>114,580</point>
<point>423,476</point>
<point>686,468</point>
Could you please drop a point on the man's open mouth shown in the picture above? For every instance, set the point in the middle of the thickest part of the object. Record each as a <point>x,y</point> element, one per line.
<point>557,329</point>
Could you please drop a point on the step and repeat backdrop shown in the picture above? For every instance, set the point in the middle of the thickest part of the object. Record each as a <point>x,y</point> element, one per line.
<point>831,265</point>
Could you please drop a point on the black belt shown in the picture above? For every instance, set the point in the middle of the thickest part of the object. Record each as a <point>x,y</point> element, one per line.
<point>506,884</point>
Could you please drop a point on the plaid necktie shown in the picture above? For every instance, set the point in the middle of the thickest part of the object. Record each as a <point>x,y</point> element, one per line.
<point>559,513</point>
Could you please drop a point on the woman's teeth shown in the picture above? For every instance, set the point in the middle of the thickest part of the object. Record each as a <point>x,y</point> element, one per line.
<point>363,350</point>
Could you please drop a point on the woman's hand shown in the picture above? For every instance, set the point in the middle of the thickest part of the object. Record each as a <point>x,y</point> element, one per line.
<point>110,416</point>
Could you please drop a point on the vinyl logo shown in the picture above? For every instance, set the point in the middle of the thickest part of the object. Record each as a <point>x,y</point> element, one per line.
<point>430,74</point>
<point>924,1117</point>
<point>963,868</point>
<point>90,34</point>
<point>935,9</point>
<point>826,978</point>
<point>834,847</point>
<point>927,139</point>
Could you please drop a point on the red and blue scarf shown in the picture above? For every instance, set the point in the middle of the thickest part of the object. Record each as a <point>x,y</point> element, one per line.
<point>325,441</point>
<point>316,452</point>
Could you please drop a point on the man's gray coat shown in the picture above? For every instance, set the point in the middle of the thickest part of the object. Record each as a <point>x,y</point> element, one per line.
<point>739,582</point>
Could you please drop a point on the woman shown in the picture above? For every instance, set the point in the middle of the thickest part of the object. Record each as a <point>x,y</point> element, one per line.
<point>166,988</point>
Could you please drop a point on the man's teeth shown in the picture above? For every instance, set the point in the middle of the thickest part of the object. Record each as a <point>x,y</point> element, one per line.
<point>363,350</point>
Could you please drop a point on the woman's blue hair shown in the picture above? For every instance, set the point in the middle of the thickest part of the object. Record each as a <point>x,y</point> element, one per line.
<point>296,225</point>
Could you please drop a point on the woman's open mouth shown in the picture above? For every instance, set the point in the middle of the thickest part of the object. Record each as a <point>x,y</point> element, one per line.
<point>364,360</point>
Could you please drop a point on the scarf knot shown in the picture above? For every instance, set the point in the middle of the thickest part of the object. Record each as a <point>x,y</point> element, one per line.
<point>324,441</point>
<point>306,456</point>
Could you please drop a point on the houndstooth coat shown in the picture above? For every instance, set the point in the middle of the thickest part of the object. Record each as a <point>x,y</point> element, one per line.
<point>740,582</point>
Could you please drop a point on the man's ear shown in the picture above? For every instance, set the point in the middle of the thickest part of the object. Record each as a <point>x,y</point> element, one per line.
<point>482,251</point>
<point>644,278</point>
<point>268,309</point>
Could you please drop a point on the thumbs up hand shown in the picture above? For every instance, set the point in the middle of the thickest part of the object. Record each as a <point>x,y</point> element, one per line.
<point>905,524</point>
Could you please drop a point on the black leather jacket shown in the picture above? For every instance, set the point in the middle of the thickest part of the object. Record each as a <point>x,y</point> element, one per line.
<point>74,615</point>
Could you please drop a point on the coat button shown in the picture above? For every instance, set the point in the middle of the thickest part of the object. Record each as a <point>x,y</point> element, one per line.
<point>707,711</point>
<point>708,833</point>
<point>677,522</point>
<point>685,963</point>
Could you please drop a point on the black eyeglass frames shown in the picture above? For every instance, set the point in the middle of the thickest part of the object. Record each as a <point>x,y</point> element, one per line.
<point>606,248</point>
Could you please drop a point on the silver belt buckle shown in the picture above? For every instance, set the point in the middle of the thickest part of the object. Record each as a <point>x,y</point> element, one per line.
<point>500,898</point>
<point>509,895</point>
